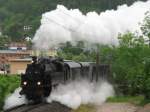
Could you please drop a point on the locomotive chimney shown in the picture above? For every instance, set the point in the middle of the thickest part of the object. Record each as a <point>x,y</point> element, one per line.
<point>34,59</point>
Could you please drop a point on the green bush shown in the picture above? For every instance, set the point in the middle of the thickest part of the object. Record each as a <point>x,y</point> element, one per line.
<point>130,65</point>
<point>7,85</point>
<point>137,100</point>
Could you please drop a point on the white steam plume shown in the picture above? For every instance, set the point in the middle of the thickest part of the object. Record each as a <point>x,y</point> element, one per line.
<point>61,25</point>
<point>76,93</point>
<point>14,100</point>
<point>72,94</point>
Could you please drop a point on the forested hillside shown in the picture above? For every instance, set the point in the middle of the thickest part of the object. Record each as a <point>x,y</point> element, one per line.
<point>15,14</point>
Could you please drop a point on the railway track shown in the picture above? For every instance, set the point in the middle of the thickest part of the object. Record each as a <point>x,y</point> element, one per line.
<point>43,107</point>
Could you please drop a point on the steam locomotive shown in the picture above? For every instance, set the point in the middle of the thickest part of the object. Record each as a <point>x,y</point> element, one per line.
<point>45,73</point>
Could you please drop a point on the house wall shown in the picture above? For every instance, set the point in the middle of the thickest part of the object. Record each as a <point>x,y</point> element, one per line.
<point>5,56</point>
<point>18,67</point>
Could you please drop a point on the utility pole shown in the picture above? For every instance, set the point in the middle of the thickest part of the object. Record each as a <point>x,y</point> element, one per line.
<point>97,63</point>
<point>149,42</point>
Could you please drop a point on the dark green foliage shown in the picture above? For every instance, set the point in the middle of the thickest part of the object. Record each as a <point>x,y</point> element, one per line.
<point>4,41</point>
<point>15,14</point>
<point>130,65</point>
<point>145,27</point>
<point>76,52</point>
<point>7,86</point>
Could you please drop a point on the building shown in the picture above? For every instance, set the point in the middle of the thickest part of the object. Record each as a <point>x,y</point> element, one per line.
<point>18,66</point>
<point>17,46</point>
<point>50,52</point>
<point>6,55</point>
<point>15,61</point>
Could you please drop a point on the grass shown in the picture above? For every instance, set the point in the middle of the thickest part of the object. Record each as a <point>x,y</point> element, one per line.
<point>137,100</point>
<point>85,108</point>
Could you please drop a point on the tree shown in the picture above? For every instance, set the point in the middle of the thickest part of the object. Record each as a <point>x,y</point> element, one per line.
<point>146,26</point>
<point>4,41</point>
<point>130,65</point>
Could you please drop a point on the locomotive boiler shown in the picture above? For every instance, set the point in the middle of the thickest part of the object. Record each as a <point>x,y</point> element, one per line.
<point>45,73</point>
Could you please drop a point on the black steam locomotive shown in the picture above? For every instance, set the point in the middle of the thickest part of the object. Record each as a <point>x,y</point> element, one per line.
<point>45,73</point>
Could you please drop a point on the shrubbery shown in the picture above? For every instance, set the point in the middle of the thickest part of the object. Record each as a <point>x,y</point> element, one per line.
<point>130,65</point>
<point>7,85</point>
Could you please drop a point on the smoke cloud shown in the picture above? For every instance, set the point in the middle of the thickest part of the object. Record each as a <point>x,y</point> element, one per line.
<point>61,25</point>
<point>81,92</point>
<point>72,94</point>
<point>14,100</point>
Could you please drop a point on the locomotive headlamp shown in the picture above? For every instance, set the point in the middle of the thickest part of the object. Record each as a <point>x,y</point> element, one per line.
<point>38,83</point>
<point>25,83</point>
